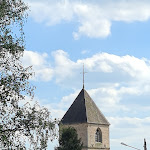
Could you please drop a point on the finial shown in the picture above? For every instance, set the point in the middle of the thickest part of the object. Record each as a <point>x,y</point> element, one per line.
<point>83,75</point>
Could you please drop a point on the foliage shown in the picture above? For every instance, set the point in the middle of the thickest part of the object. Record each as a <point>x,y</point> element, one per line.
<point>22,124</point>
<point>69,140</point>
<point>12,15</point>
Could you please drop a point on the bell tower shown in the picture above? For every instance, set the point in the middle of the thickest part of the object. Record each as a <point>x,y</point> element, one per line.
<point>91,125</point>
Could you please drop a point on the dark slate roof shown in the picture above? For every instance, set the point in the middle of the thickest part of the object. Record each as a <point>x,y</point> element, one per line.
<point>84,110</point>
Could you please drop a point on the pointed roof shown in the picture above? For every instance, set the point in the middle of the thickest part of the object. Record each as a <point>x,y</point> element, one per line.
<point>84,110</point>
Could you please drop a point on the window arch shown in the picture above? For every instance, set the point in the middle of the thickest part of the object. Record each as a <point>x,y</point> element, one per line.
<point>98,135</point>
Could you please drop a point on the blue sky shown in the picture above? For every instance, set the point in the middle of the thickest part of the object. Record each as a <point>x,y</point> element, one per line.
<point>112,39</point>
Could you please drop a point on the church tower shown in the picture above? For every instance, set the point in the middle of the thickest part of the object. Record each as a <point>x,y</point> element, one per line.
<point>91,125</point>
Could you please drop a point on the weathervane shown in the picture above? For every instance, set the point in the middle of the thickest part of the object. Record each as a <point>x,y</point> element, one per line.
<point>83,75</point>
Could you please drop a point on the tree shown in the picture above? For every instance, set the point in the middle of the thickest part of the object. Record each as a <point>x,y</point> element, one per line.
<point>22,125</point>
<point>69,140</point>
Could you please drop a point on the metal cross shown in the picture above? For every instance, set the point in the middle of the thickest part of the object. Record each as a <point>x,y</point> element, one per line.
<point>83,75</point>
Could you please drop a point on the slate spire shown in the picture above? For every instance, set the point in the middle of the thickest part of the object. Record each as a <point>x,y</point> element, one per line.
<point>84,110</point>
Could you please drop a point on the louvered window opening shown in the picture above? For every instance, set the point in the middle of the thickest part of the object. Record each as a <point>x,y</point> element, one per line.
<point>98,135</point>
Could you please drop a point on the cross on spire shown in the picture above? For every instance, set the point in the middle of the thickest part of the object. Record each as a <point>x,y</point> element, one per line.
<point>83,75</point>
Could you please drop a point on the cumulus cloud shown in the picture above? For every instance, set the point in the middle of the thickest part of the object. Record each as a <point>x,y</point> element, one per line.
<point>62,62</point>
<point>108,74</point>
<point>41,67</point>
<point>129,130</point>
<point>100,67</point>
<point>94,17</point>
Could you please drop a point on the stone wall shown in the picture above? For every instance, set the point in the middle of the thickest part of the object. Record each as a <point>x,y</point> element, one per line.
<point>87,132</point>
<point>91,136</point>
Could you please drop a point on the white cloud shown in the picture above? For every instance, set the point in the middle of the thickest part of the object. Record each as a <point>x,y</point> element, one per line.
<point>94,17</point>
<point>51,12</point>
<point>66,101</point>
<point>131,131</point>
<point>85,52</point>
<point>64,67</point>
<point>122,69</point>
<point>109,75</point>
<point>41,67</point>
<point>55,111</point>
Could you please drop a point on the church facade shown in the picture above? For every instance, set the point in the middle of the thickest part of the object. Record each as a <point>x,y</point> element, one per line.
<point>91,125</point>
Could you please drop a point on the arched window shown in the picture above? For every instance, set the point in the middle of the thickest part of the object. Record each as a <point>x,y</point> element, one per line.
<point>98,135</point>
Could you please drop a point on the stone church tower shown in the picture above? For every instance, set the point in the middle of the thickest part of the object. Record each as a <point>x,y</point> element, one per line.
<point>91,125</point>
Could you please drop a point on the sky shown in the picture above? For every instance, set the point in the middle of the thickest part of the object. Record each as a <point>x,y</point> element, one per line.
<point>111,38</point>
